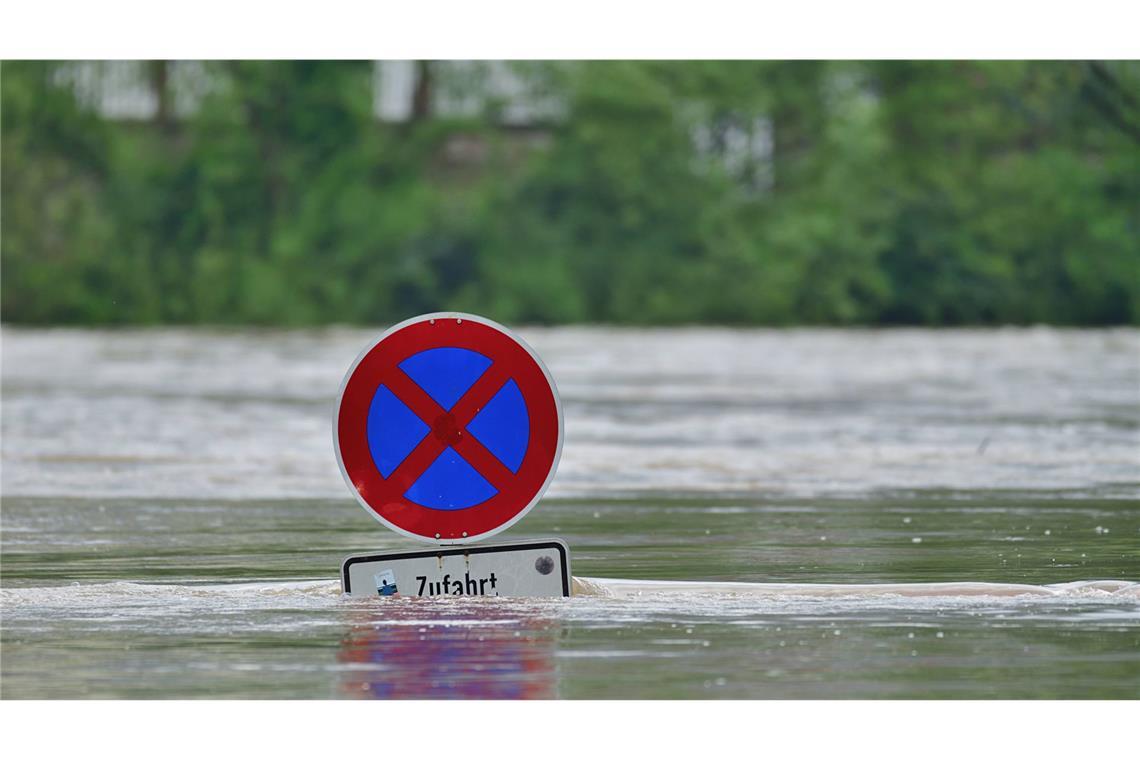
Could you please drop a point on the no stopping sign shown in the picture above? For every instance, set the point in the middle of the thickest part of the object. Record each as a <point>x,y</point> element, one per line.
<point>448,428</point>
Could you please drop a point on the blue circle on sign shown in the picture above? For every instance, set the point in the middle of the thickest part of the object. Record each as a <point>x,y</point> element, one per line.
<point>450,482</point>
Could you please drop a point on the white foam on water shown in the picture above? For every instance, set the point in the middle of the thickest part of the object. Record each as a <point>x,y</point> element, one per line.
<point>623,588</point>
<point>126,600</point>
<point>1092,603</point>
<point>244,414</point>
<point>301,609</point>
<point>326,593</point>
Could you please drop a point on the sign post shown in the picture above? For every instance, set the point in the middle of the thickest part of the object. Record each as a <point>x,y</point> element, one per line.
<point>448,430</point>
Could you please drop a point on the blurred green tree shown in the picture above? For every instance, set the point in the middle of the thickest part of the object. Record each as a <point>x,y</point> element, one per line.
<point>654,192</point>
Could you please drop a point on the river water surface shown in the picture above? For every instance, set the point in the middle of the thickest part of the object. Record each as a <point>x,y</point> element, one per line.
<point>813,513</point>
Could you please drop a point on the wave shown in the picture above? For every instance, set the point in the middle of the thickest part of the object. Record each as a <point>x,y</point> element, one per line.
<point>623,588</point>
<point>322,592</point>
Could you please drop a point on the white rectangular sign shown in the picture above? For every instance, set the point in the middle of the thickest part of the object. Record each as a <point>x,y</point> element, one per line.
<point>528,568</point>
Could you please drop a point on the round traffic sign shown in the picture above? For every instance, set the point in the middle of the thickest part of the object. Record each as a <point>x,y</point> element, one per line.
<point>448,428</point>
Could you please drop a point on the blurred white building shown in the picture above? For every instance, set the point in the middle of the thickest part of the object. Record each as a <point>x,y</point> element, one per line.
<point>513,95</point>
<point>508,92</point>
<point>463,89</point>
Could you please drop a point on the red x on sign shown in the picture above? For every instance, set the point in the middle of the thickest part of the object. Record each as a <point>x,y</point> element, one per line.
<point>448,428</point>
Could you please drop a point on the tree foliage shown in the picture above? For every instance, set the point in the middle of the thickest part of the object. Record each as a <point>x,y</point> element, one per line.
<point>933,193</point>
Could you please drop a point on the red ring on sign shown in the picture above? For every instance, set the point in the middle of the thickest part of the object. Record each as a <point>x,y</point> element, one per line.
<point>510,359</point>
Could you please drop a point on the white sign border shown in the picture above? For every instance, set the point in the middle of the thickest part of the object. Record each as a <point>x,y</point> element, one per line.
<point>541,543</point>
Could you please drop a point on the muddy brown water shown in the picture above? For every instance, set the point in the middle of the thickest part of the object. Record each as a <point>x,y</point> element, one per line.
<point>173,519</point>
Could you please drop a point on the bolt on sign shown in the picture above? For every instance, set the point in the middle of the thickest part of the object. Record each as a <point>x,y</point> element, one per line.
<point>448,430</point>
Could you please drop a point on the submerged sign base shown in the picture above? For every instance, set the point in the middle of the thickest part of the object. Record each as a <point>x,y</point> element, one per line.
<point>529,569</point>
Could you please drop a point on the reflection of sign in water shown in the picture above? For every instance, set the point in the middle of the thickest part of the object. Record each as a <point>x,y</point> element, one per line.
<point>526,568</point>
<point>448,428</point>
<point>477,652</point>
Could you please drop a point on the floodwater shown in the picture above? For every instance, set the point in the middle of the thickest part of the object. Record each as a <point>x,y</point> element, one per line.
<point>752,514</point>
